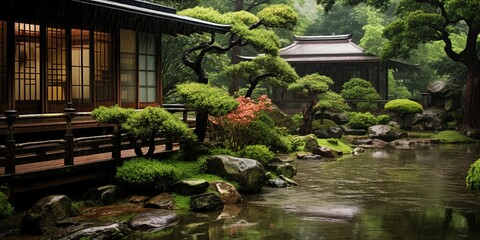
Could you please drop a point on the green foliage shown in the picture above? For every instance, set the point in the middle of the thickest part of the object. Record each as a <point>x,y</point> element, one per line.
<point>395,90</point>
<point>360,90</point>
<point>260,153</point>
<point>311,85</point>
<point>206,99</point>
<point>473,177</point>
<point>113,114</point>
<point>263,131</point>
<point>150,120</point>
<point>278,16</point>
<point>402,107</point>
<point>6,209</point>
<point>359,120</point>
<point>207,14</point>
<point>331,101</point>
<point>383,119</point>
<point>223,151</point>
<point>147,175</point>
<point>451,136</point>
<point>327,123</point>
<point>274,70</point>
<point>332,141</point>
<point>339,147</point>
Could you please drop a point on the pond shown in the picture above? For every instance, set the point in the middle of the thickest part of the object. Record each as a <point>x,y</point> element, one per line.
<point>383,194</point>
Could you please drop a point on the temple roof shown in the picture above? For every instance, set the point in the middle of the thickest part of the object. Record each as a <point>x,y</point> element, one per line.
<point>167,15</point>
<point>332,48</point>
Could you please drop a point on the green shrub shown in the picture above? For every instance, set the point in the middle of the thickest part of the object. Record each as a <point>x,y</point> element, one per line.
<point>473,176</point>
<point>362,120</point>
<point>113,114</point>
<point>206,98</point>
<point>6,209</point>
<point>223,151</point>
<point>402,107</point>
<point>383,119</point>
<point>263,131</point>
<point>260,153</point>
<point>147,175</point>
<point>332,141</point>
<point>362,90</point>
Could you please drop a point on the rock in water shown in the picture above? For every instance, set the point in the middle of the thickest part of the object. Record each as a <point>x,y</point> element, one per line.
<point>46,213</point>
<point>154,220</point>
<point>206,202</point>
<point>249,173</point>
<point>162,201</point>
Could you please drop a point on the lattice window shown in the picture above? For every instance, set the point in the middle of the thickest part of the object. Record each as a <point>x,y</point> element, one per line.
<point>81,84</point>
<point>3,63</point>
<point>27,62</point>
<point>56,64</point>
<point>147,71</point>
<point>128,66</point>
<point>102,69</point>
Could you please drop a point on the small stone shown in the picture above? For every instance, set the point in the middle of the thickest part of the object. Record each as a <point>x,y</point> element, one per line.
<point>162,201</point>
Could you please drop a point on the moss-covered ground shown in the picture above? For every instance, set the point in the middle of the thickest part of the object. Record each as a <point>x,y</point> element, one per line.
<point>451,136</point>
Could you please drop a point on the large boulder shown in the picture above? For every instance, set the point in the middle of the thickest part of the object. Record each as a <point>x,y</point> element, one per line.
<point>46,213</point>
<point>249,173</point>
<point>100,231</point>
<point>162,201</point>
<point>154,220</point>
<point>323,151</point>
<point>310,143</point>
<point>104,195</point>
<point>445,95</point>
<point>331,132</point>
<point>206,202</point>
<point>339,118</point>
<point>385,133</point>
<point>285,169</point>
<point>432,118</point>
<point>189,186</point>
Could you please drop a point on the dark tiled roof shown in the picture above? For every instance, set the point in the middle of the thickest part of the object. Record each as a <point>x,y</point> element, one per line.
<point>333,48</point>
<point>155,11</point>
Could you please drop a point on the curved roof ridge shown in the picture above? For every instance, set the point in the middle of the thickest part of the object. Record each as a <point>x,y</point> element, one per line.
<point>324,37</point>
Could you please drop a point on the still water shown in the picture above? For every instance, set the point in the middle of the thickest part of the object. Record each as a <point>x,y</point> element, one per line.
<point>383,194</point>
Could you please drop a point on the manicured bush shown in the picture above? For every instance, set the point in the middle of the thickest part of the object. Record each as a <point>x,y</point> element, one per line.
<point>383,119</point>
<point>206,99</point>
<point>473,176</point>
<point>361,90</point>
<point>402,107</point>
<point>260,153</point>
<point>113,114</point>
<point>147,175</point>
<point>362,120</point>
<point>6,209</point>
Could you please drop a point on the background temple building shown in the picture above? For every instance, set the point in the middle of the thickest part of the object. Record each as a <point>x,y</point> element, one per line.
<point>335,56</point>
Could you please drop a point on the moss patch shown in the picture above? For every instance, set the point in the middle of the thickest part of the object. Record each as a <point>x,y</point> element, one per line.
<point>340,147</point>
<point>451,136</point>
<point>182,203</point>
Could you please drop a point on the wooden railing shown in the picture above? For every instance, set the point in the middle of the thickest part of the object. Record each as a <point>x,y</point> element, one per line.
<point>67,148</point>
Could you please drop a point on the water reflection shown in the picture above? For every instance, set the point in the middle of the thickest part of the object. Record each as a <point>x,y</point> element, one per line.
<point>383,194</point>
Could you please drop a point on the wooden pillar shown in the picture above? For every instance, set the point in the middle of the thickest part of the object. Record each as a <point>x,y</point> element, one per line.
<point>10,142</point>
<point>117,142</point>
<point>69,144</point>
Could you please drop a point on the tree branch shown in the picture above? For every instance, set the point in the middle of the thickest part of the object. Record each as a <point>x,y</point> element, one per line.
<point>255,3</point>
<point>445,36</point>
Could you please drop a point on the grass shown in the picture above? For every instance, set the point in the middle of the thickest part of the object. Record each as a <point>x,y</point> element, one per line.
<point>340,147</point>
<point>451,136</point>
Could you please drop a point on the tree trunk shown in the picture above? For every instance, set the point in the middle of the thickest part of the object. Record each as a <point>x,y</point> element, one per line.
<point>471,114</point>
<point>252,87</point>
<point>201,126</point>
<point>235,84</point>
<point>306,127</point>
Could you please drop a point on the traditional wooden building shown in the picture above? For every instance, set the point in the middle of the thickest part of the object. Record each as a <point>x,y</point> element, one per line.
<point>87,52</point>
<point>335,56</point>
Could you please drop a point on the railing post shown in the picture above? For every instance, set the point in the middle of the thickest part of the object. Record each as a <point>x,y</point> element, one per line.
<point>185,115</point>
<point>169,145</point>
<point>10,142</point>
<point>117,141</point>
<point>69,145</point>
